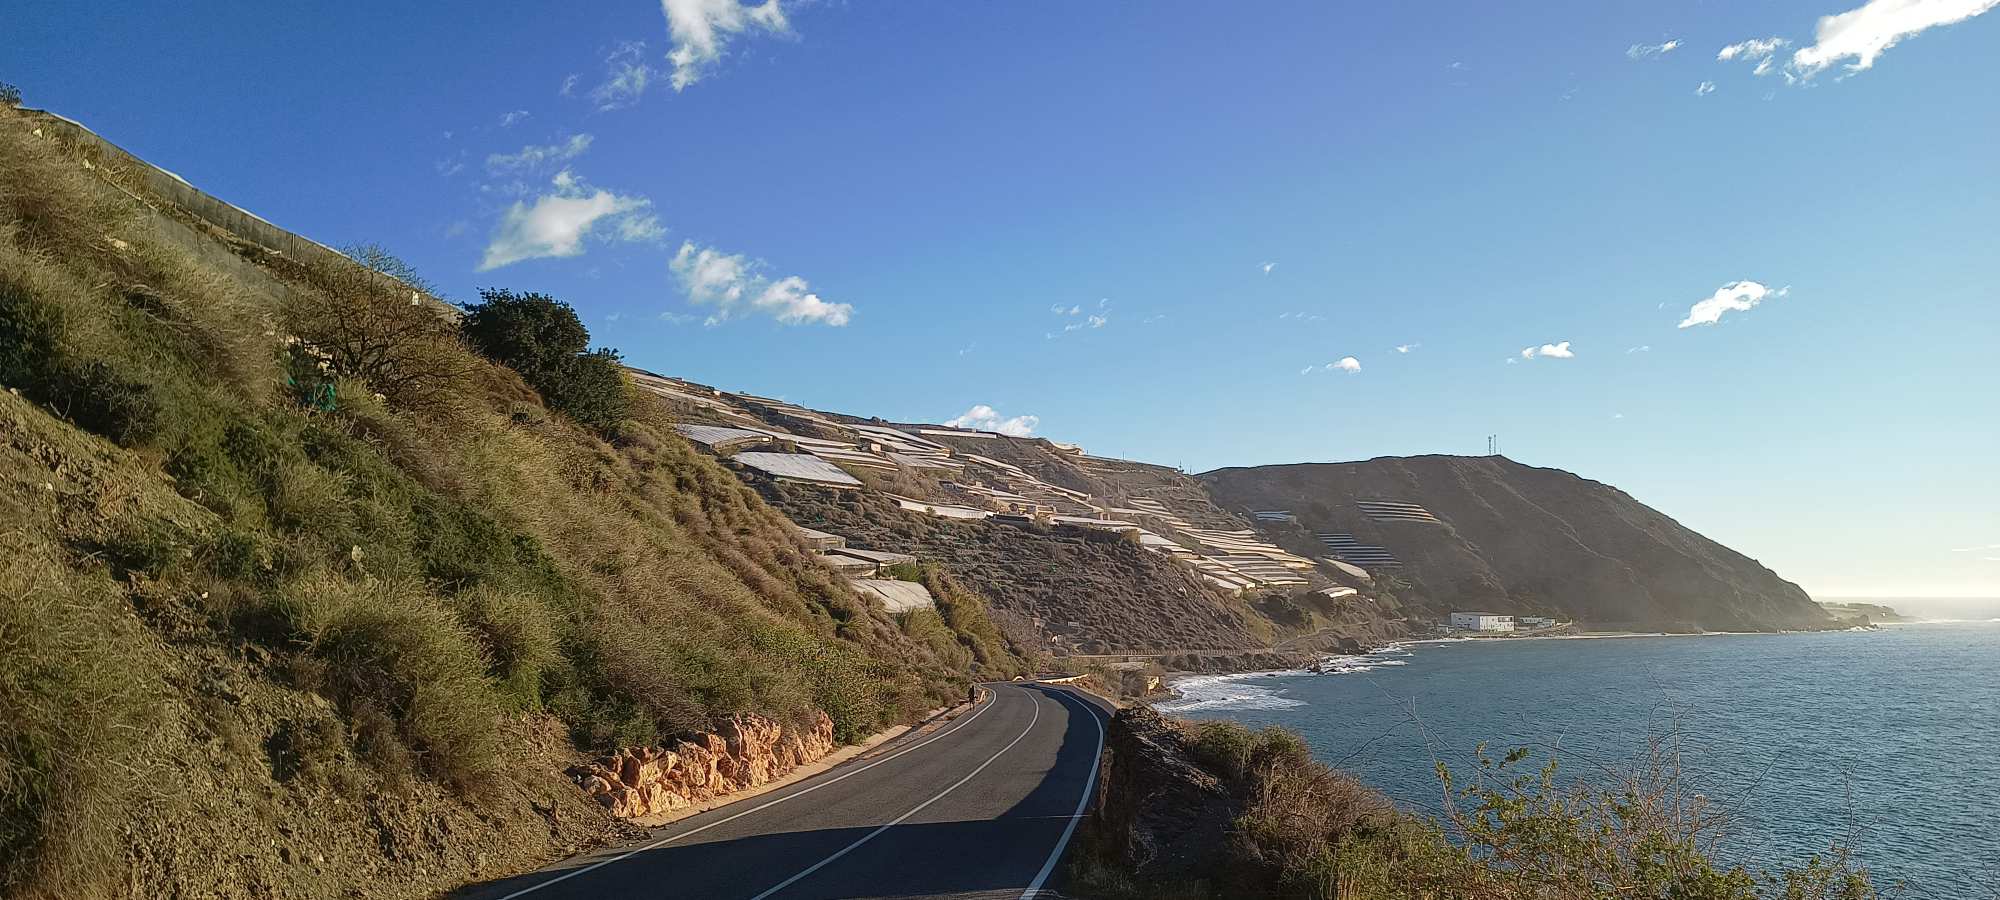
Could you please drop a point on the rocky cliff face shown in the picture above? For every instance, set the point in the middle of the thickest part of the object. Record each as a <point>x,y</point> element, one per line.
<point>1159,816</point>
<point>745,752</point>
<point>1510,538</point>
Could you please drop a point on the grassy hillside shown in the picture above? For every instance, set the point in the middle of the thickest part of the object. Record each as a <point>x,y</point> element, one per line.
<point>303,594</point>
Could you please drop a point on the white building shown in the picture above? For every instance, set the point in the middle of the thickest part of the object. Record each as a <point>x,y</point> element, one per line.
<point>1478,621</point>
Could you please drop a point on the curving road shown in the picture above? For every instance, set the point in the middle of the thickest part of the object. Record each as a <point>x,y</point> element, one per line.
<point>984,807</point>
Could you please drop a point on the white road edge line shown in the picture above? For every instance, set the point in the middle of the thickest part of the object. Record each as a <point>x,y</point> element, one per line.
<point>917,809</point>
<point>1089,790</point>
<point>762,806</point>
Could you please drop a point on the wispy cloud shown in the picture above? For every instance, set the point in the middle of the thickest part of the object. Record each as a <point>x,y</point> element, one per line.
<point>985,418</point>
<point>702,29</point>
<point>1642,348</point>
<point>1651,51</point>
<point>1557,350</point>
<point>1347,364</point>
<point>1405,348</point>
<point>557,223</point>
<point>569,81</point>
<point>734,283</point>
<point>1267,267</point>
<point>626,77</point>
<point>1704,89</point>
<point>1978,548</point>
<point>1755,48</point>
<point>538,156</point>
<point>507,119</point>
<point>1864,33</point>
<point>1736,296</point>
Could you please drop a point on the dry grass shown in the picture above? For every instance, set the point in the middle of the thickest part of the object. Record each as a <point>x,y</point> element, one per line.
<point>434,554</point>
<point>71,707</point>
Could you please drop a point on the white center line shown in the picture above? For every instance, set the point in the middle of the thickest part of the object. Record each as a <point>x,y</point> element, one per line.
<point>762,806</point>
<point>1089,791</point>
<point>917,809</point>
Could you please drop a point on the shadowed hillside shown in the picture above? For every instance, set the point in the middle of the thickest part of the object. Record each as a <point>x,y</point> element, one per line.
<point>1509,538</point>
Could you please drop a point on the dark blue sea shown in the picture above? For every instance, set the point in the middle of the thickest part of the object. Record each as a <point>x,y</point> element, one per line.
<point>1887,740</point>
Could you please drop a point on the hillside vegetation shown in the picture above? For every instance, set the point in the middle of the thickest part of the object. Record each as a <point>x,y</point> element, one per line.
<point>303,595</point>
<point>1192,811</point>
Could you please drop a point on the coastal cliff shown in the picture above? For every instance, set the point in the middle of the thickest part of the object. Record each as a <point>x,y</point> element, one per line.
<point>1488,533</point>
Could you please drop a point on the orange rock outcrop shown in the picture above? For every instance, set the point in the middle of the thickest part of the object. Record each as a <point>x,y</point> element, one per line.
<point>745,752</point>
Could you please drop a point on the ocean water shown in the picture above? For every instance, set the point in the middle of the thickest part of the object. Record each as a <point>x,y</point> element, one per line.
<point>1887,740</point>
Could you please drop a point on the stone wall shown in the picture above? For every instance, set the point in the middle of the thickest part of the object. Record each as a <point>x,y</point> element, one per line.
<point>745,752</point>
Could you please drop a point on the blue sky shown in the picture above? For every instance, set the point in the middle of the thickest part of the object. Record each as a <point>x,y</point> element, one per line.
<point>1139,231</point>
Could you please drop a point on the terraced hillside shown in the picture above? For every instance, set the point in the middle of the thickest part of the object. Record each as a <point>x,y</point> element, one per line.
<point>1490,534</point>
<point>1076,554</point>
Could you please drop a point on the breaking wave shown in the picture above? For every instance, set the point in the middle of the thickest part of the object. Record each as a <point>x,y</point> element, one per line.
<point>1391,655</point>
<point>1240,691</point>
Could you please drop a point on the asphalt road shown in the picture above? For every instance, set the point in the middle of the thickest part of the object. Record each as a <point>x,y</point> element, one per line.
<point>984,807</point>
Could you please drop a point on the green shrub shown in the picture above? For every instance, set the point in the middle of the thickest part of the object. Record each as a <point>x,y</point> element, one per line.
<point>1222,747</point>
<point>388,645</point>
<point>541,338</point>
<point>520,637</point>
<point>590,388</point>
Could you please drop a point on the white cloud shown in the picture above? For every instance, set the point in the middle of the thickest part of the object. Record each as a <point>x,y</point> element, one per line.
<point>1617,415</point>
<point>556,223</point>
<point>1651,51</point>
<point>626,76</point>
<point>1735,296</point>
<point>1062,310</point>
<point>1093,321</point>
<point>1268,267</point>
<point>1347,364</point>
<point>1975,549</point>
<point>1704,89</point>
<point>985,418</point>
<point>1865,32</point>
<point>1405,348</point>
<point>733,282</point>
<point>1307,370</point>
<point>569,85</point>
<point>535,156</point>
<point>507,119</point>
<point>702,29</point>
<point>1642,348</point>
<point>1557,350</point>
<point>1755,48</point>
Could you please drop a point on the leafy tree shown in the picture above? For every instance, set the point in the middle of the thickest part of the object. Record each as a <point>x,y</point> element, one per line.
<point>542,338</point>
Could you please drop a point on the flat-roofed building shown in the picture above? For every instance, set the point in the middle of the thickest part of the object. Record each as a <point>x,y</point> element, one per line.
<point>1480,621</point>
